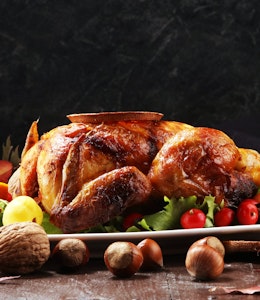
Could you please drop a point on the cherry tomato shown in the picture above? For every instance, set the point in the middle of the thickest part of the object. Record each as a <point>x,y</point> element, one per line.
<point>131,220</point>
<point>193,218</point>
<point>247,213</point>
<point>224,217</point>
<point>250,200</point>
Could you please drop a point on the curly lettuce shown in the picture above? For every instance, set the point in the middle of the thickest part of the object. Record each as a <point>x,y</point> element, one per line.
<point>169,217</point>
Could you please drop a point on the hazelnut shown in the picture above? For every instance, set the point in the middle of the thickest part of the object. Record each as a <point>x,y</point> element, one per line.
<point>123,259</point>
<point>71,253</point>
<point>205,259</point>
<point>152,254</point>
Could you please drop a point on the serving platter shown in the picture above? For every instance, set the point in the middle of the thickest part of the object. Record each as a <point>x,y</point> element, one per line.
<point>171,241</point>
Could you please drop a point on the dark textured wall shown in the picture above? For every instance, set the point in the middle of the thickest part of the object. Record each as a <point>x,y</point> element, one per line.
<point>196,61</point>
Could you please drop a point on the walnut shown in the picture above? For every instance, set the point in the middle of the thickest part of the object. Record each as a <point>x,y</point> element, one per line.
<point>24,248</point>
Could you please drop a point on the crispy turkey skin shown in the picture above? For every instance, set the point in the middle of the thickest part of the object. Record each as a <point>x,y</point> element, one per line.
<point>200,161</point>
<point>84,174</point>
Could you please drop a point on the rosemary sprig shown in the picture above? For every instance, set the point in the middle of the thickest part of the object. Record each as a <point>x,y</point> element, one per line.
<point>10,153</point>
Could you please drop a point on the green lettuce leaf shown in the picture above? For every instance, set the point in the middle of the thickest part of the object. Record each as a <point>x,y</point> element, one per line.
<point>3,204</point>
<point>169,217</point>
<point>48,226</point>
<point>210,207</point>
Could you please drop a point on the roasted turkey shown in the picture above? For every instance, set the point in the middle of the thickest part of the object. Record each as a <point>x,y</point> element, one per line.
<point>91,170</point>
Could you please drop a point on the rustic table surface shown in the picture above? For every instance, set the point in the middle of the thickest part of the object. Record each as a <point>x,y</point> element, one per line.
<point>95,282</point>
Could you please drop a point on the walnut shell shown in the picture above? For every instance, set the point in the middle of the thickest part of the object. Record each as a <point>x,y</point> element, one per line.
<point>24,248</point>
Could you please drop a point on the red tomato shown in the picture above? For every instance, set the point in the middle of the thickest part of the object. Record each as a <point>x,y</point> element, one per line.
<point>131,220</point>
<point>250,200</point>
<point>247,213</point>
<point>224,217</point>
<point>193,218</point>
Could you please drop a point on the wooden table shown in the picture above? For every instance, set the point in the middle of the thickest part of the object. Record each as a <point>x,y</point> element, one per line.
<point>96,283</point>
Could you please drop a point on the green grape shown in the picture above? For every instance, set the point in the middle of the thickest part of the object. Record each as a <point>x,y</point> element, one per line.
<point>22,209</point>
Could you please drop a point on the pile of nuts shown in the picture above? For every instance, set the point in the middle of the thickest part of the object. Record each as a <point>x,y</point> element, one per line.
<point>124,259</point>
<point>25,248</point>
<point>204,259</point>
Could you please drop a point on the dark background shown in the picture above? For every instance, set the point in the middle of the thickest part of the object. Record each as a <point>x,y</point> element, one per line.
<point>195,61</point>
